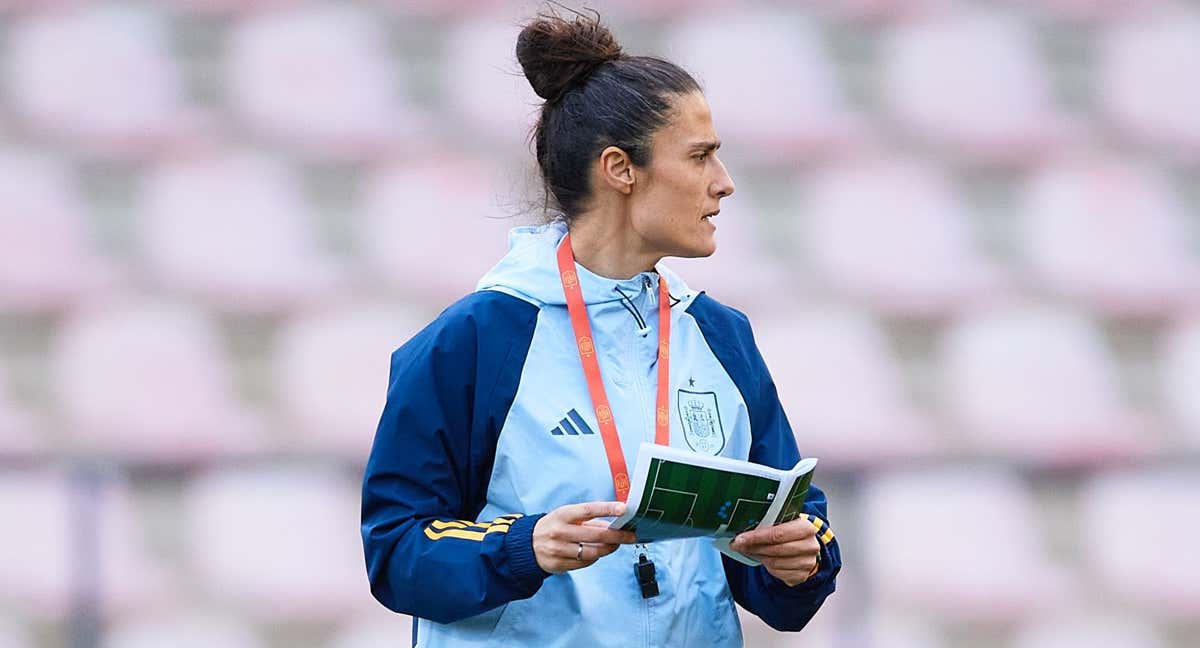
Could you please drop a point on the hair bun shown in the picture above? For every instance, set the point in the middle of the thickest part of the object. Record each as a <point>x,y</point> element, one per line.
<point>556,53</point>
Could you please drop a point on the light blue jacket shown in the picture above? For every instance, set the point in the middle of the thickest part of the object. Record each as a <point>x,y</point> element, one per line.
<point>488,425</point>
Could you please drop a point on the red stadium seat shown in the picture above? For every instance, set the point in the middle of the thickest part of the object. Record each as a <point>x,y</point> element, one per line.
<point>962,543</point>
<point>894,234</point>
<point>1038,384</point>
<point>100,76</point>
<point>48,260</point>
<point>234,520</point>
<point>330,369</point>
<point>317,78</point>
<point>1156,571</point>
<point>415,215</point>
<point>841,387</point>
<point>1111,234</point>
<point>234,229</point>
<point>1106,629</point>
<point>970,83</point>
<point>1180,378</point>
<point>770,83</point>
<point>40,572</point>
<point>190,629</point>
<point>1145,77</point>
<point>148,381</point>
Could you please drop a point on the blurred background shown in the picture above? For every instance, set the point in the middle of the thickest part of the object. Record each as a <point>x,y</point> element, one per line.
<point>966,233</point>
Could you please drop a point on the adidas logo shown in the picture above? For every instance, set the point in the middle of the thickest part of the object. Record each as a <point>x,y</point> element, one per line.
<point>572,425</point>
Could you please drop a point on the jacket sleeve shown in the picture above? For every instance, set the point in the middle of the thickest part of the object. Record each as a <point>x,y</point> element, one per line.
<point>772,444</point>
<point>427,474</point>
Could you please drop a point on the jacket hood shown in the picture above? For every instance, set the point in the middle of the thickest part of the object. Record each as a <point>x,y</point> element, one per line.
<point>530,271</point>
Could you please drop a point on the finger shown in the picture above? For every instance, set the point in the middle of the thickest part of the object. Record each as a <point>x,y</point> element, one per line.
<point>585,533</point>
<point>570,556</point>
<point>802,564</point>
<point>577,513</point>
<point>797,529</point>
<point>807,547</point>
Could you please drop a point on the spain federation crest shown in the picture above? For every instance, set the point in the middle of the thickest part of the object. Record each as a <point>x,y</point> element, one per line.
<point>701,420</point>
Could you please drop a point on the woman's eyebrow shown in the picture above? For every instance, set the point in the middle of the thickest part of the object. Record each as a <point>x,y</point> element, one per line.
<point>706,145</point>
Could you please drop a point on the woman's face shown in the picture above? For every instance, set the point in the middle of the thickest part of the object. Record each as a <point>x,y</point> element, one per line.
<point>683,184</point>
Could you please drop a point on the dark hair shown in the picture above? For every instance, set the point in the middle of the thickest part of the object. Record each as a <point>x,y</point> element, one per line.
<point>596,97</point>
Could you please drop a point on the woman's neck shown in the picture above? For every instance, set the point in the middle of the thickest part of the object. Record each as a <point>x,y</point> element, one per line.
<point>610,249</point>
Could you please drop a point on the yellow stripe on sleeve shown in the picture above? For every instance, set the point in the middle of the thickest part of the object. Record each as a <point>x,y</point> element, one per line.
<point>828,537</point>
<point>464,534</point>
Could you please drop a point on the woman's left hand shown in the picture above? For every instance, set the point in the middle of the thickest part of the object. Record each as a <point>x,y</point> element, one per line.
<point>789,551</point>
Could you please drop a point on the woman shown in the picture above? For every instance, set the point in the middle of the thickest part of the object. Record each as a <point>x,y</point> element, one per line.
<point>508,421</point>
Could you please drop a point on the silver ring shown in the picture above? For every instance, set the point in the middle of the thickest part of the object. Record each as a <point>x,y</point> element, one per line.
<point>579,554</point>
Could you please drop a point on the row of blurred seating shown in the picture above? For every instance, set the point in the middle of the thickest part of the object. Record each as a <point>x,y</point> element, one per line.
<point>964,544</point>
<point>152,380</point>
<point>322,80</point>
<point>235,228</point>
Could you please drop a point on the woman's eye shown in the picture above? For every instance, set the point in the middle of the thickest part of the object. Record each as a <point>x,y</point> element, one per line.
<point>702,157</point>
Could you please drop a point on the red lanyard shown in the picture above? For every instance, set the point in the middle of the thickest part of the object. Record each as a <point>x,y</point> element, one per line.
<point>591,367</point>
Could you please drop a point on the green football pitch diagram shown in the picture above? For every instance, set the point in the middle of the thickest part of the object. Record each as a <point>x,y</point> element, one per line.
<point>682,501</point>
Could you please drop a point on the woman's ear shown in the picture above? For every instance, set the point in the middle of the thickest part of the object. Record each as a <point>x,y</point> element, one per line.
<point>616,169</point>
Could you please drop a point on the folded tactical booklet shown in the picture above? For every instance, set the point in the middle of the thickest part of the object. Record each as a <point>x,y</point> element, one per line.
<point>679,494</point>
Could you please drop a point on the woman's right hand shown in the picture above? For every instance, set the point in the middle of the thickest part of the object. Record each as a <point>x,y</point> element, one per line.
<point>558,536</point>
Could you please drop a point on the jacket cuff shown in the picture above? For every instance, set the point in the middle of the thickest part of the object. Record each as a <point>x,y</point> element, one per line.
<point>518,543</point>
<point>821,583</point>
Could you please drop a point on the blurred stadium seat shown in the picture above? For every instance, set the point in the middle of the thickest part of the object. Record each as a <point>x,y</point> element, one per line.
<point>841,387</point>
<point>234,228</point>
<point>331,369</point>
<point>1145,73</point>
<point>18,435</point>
<point>1110,629</point>
<point>415,214</point>
<point>381,629</point>
<point>317,78</point>
<point>148,381</point>
<point>42,573</point>
<point>963,543</point>
<point>1110,233</point>
<point>439,8</point>
<point>1038,384</point>
<point>1180,378</point>
<point>281,542</point>
<point>188,630</point>
<point>771,85</point>
<point>48,259</point>
<point>971,82</point>
<point>895,235</point>
<point>99,76</point>
<point>743,272</point>
<point>482,85</point>
<point>1155,568</point>
<point>14,636</point>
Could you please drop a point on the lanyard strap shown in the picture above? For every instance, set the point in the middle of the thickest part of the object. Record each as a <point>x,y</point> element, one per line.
<point>591,367</point>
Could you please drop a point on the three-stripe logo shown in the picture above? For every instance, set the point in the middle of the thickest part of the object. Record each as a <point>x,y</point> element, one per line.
<point>572,425</point>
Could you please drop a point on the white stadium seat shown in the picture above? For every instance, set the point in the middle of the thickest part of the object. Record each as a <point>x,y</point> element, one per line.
<point>841,387</point>
<point>98,75</point>
<point>1038,384</point>
<point>1111,234</point>
<point>331,370</point>
<point>895,235</point>
<point>183,630</point>
<point>1154,568</point>
<point>148,381</point>
<point>1109,629</point>
<point>317,78</point>
<point>48,258</point>
<point>1145,79</point>
<point>970,82</point>
<point>1179,367</point>
<point>281,543</point>
<point>962,543</point>
<point>234,228</point>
